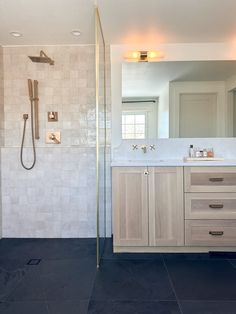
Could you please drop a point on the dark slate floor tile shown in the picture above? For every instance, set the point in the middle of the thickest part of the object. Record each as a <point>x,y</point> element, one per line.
<point>223,255</point>
<point>233,262</point>
<point>204,307</point>
<point>30,287</point>
<point>23,308</point>
<point>108,253</point>
<point>132,280</point>
<point>68,307</point>
<point>13,264</point>
<point>186,256</point>
<point>64,248</point>
<point>137,307</point>
<point>68,279</point>
<point>9,279</point>
<point>47,248</point>
<point>17,248</point>
<point>203,280</point>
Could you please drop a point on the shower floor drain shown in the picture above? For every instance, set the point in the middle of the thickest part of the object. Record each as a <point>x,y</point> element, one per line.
<point>34,261</point>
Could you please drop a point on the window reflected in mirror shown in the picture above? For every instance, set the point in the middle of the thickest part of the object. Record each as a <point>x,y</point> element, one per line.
<point>139,118</point>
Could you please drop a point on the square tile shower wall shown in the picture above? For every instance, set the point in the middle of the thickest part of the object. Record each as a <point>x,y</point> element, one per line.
<point>1,98</point>
<point>56,198</point>
<point>1,121</point>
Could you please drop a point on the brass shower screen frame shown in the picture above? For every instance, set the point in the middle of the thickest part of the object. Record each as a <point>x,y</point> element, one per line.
<point>98,28</point>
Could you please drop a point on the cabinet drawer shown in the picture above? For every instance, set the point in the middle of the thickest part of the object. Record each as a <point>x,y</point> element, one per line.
<point>210,179</point>
<point>210,205</point>
<point>210,232</point>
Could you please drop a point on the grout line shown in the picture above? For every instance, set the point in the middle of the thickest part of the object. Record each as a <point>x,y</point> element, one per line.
<point>172,285</point>
<point>47,307</point>
<point>92,287</point>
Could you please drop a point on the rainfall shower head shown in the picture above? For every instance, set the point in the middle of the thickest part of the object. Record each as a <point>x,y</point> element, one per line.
<point>43,58</point>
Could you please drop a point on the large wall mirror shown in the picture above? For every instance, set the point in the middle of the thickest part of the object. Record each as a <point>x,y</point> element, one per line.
<point>186,99</point>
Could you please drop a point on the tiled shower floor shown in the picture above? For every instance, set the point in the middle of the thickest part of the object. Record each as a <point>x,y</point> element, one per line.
<point>66,280</point>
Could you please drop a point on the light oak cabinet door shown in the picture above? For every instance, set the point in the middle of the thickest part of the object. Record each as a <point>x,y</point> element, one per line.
<point>130,206</point>
<point>166,213</point>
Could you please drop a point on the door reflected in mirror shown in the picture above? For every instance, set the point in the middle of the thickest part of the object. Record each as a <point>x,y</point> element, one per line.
<point>187,99</point>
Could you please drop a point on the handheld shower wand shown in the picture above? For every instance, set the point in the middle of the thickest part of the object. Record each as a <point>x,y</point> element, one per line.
<point>32,93</point>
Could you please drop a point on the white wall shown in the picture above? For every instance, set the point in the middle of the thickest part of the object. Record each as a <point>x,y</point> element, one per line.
<point>163,112</point>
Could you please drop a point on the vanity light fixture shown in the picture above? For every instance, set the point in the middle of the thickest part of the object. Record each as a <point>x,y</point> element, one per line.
<point>16,34</point>
<point>76,32</point>
<point>143,56</point>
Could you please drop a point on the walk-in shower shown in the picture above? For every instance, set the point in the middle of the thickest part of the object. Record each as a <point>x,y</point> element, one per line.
<point>34,100</point>
<point>42,58</point>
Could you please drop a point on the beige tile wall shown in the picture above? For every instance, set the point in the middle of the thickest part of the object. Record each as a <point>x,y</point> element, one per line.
<point>1,122</point>
<point>56,198</point>
<point>67,87</point>
<point>1,98</point>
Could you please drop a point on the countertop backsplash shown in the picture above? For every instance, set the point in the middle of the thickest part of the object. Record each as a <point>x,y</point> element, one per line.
<point>172,149</point>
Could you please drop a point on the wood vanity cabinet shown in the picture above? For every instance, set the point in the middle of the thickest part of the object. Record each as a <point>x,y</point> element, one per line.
<point>149,214</point>
<point>148,206</point>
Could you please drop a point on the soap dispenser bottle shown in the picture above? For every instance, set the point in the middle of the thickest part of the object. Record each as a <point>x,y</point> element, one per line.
<point>191,151</point>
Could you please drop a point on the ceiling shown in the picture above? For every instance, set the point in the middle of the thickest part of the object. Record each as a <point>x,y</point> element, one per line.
<point>46,22</point>
<point>124,21</point>
<point>147,79</point>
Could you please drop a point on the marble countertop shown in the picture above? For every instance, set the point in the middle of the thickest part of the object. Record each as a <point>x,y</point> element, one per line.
<point>172,162</point>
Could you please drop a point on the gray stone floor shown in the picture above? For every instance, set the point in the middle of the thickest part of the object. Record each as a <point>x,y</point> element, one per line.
<point>66,280</point>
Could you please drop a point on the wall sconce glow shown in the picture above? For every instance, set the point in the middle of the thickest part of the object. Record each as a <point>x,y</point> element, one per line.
<point>143,56</point>
<point>16,34</point>
<point>76,32</point>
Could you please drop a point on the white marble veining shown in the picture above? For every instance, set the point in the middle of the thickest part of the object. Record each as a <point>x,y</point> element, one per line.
<point>173,163</point>
<point>171,152</point>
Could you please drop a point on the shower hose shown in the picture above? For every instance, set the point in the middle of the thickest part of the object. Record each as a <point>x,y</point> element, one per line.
<point>25,117</point>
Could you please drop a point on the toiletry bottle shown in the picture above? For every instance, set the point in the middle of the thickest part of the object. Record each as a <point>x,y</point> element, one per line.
<point>210,152</point>
<point>191,151</point>
<point>197,153</point>
<point>204,153</point>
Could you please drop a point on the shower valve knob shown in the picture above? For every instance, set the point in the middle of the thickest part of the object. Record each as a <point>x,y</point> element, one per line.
<point>53,137</point>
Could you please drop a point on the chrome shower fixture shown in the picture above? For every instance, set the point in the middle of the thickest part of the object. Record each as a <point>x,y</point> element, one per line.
<point>43,58</point>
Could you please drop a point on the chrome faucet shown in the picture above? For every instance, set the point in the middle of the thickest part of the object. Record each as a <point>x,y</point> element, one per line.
<point>144,149</point>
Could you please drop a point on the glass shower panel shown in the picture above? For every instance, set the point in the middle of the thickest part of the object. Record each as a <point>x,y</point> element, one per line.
<point>101,137</point>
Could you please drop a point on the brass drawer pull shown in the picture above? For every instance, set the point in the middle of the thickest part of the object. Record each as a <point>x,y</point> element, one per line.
<point>216,233</point>
<point>217,206</point>
<point>216,179</point>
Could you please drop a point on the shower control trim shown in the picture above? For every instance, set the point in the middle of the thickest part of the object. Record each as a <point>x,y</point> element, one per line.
<point>52,116</point>
<point>53,137</point>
